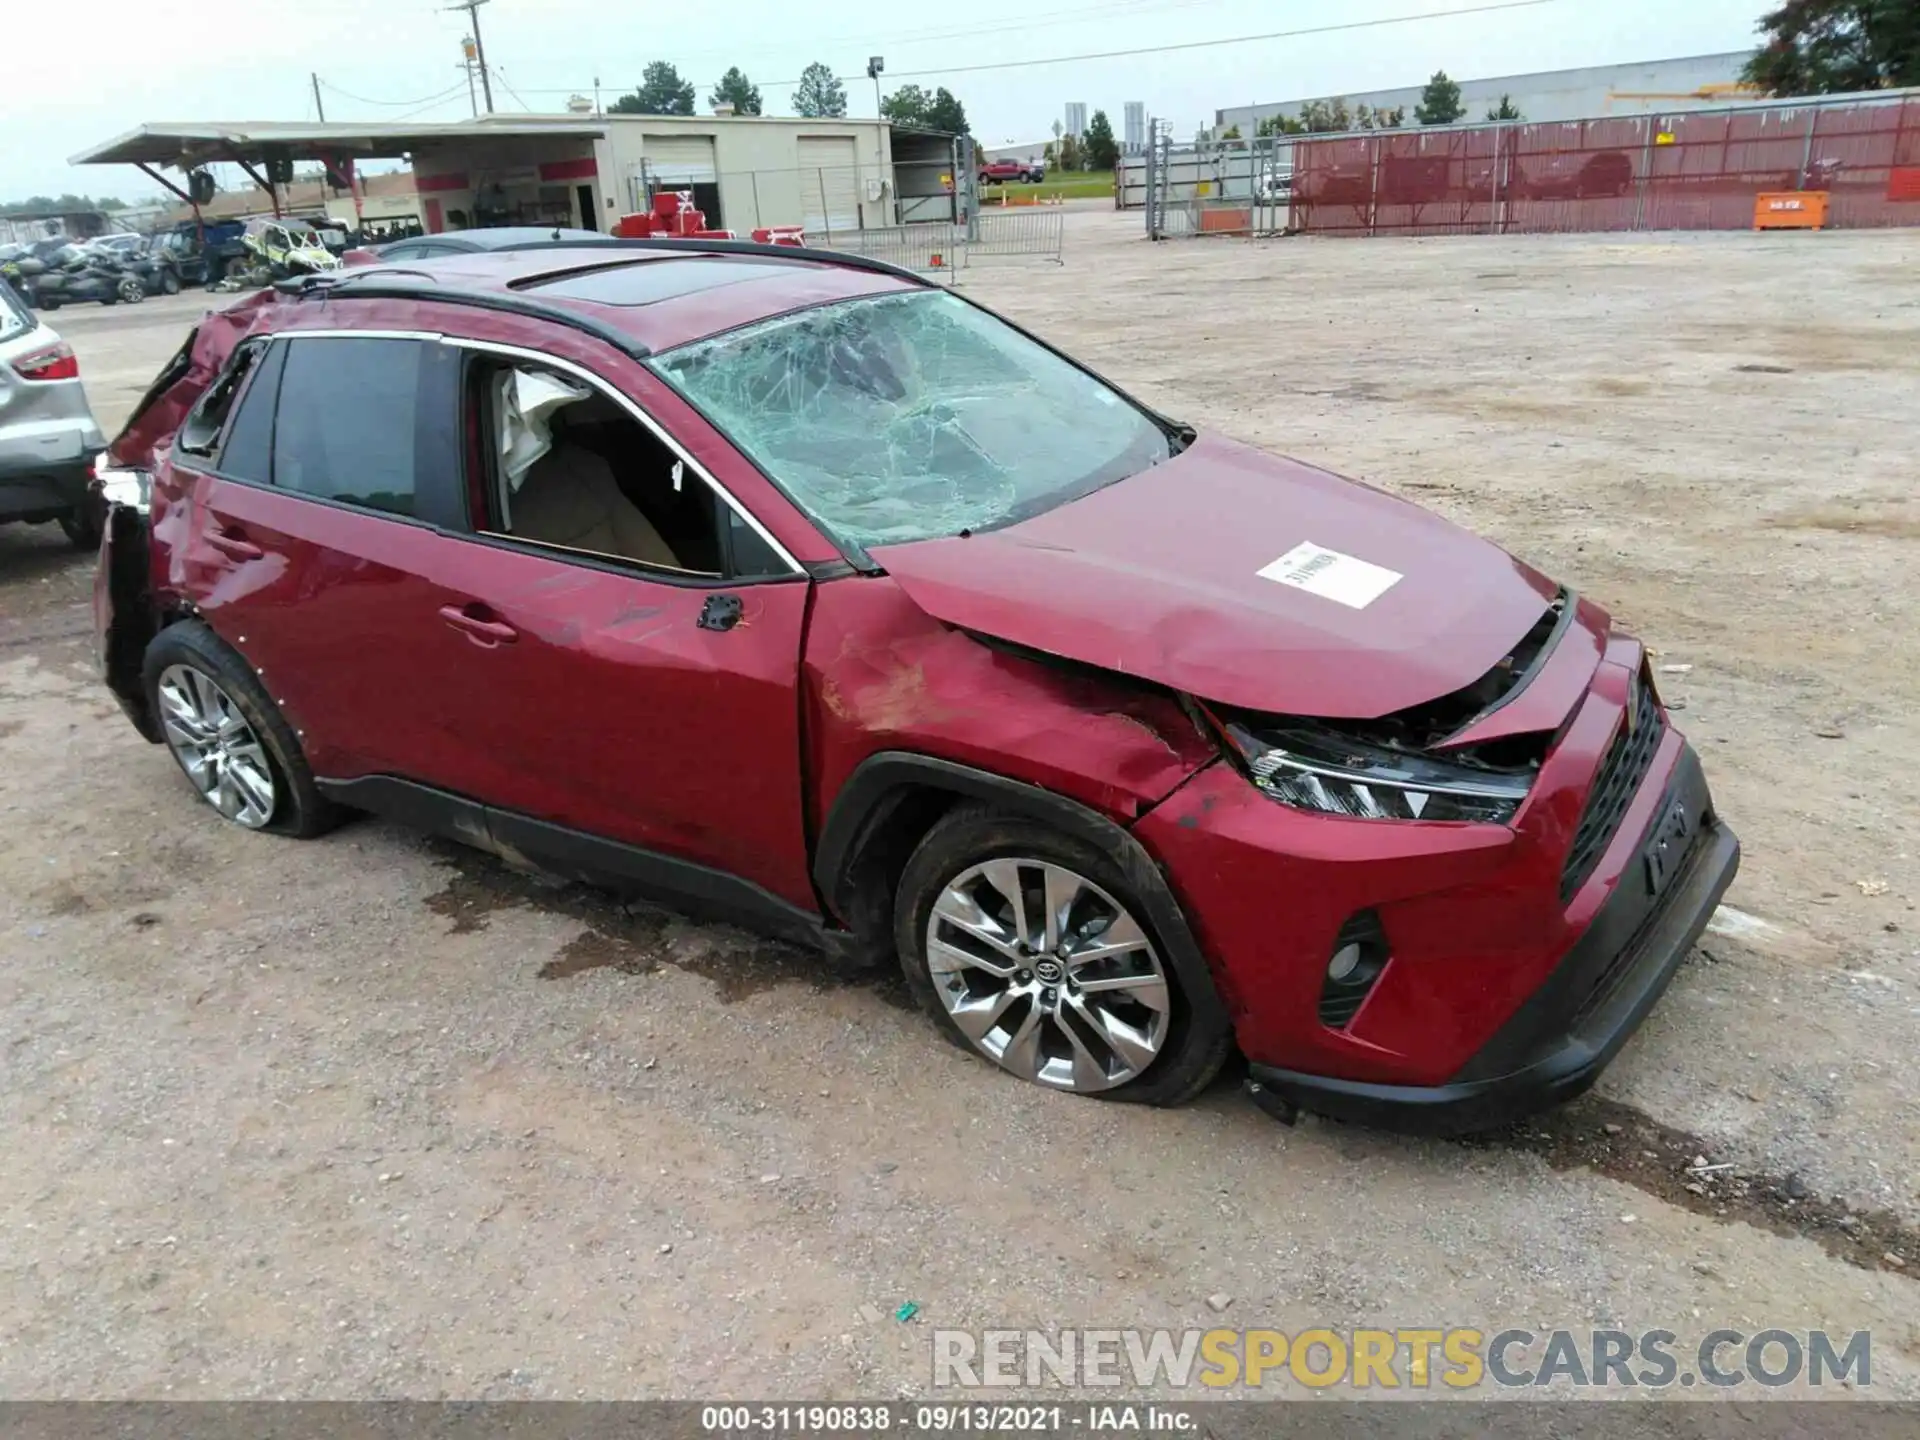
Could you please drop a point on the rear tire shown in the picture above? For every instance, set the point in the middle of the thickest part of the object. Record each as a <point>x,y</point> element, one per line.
<point>224,732</point>
<point>87,523</point>
<point>169,283</point>
<point>1168,1048</point>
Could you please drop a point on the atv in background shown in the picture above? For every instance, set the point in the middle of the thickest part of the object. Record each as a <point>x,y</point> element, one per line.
<point>202,254</point>
<point>275,250</point>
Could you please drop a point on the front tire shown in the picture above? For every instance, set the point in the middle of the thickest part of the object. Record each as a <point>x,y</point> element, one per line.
<point>228,737</point>
<point>1030,949</point>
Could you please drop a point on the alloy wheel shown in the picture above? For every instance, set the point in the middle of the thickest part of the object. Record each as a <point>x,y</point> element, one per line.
<point>215,745</point>
<point>1048,975</point>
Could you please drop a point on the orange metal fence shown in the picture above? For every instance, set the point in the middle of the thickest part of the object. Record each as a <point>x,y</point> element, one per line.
<point>1700,170</point>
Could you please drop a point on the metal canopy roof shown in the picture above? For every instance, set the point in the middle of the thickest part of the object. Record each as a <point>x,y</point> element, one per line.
<point>188,145</point>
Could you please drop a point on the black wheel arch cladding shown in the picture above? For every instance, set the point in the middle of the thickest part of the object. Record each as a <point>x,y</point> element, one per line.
<point>887,785</point>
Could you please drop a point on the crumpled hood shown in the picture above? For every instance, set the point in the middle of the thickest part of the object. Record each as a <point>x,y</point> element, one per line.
<point>1379,605</point>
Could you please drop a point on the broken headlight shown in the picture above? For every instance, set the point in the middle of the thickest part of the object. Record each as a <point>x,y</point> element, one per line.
<point>1312,767</point>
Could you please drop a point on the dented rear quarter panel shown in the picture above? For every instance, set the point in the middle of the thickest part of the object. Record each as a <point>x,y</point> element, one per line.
<point>880,674</point>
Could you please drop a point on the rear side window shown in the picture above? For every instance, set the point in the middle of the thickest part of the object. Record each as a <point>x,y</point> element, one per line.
<point>247,452</point>
<point>348,421</point>
<point>205,423</point>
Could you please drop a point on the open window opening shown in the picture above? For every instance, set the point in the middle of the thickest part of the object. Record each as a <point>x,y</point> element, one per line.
<point>554,461</point>
<point>200,433</point>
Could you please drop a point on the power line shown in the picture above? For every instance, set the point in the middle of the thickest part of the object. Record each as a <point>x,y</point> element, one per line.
<point>436,102</point>
<point>501,76</point>
<point>1113,10</point>
<point>1205,44</point>
<point>1347,25</point>
<point>395,104</point>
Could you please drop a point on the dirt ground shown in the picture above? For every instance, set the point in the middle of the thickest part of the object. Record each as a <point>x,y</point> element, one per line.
<point>373,1116</point>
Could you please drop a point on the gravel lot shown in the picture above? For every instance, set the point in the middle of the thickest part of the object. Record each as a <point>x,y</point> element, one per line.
<point>376,1117</point>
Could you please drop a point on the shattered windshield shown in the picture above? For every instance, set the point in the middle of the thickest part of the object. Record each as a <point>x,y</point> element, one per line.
<point>913,416</point>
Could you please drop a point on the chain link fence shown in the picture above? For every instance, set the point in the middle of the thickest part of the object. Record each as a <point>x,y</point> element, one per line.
<point>1690,170</point>
<point>1693,170</point>
<point>943,249</point>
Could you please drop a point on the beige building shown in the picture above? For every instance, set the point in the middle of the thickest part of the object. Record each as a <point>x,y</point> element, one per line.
<point>745,172</point>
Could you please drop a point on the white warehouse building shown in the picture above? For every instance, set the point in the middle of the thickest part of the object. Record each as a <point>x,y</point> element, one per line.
<point>745,172</point>
<point>1642,88</point>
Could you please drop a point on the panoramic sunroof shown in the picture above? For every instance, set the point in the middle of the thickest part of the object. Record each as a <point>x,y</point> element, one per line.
<point>644,284</point>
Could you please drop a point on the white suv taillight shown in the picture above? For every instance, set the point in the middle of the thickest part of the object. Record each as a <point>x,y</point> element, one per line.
<point>55,362</point>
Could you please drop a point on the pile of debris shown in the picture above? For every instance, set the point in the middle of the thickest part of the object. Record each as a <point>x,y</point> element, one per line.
<point>675,216</point>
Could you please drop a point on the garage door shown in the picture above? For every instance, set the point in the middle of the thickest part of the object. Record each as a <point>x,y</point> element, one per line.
<point>684,162</point>
<point>679,160</point>
<point>829,183</point>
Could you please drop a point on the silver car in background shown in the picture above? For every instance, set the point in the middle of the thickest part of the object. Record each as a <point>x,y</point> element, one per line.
<point>48,437</point>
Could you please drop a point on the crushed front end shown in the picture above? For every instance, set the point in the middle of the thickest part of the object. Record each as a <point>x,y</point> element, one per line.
<point>1449,918</point>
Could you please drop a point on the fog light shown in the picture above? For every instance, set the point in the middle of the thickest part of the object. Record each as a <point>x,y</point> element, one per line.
<point>1358,959</point>
<point>1345,961</point>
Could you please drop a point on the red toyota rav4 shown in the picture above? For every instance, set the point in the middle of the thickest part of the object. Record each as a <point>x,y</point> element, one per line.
<point>792,589</point>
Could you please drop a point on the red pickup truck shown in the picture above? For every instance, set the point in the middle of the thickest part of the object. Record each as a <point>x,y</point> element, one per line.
<point>1003,172</point>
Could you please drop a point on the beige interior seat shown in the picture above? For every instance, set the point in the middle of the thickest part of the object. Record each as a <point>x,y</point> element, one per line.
<point>570,498</point>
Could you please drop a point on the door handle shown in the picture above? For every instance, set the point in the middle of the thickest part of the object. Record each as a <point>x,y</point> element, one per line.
<point>478,627</point>
<point>234,545</point>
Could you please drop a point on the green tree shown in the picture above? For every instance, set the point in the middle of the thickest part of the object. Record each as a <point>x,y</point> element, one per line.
<point>1326,117</point>
<point>906,106</point>
<point>1828,47</point>
<point>820,95</point>
<point>1505,110</point>
<point>1071,155</point>
<point>661,92</point>
<point>1390,119</point>
<point>912,106</point>
<point>947,114</point>
<point>736,90</point>
<point>1282,125</point>
<point>1440,102</point>
<point>1098,149</point>
<point>59,204</point>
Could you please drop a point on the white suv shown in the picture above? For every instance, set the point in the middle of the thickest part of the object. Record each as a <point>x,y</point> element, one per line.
<point>48,438</point>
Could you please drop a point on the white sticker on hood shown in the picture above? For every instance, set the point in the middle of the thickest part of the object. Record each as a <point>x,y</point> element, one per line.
<point>1331,575</point>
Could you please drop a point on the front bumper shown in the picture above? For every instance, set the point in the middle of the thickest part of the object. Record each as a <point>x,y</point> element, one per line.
<point>1557,1043</point>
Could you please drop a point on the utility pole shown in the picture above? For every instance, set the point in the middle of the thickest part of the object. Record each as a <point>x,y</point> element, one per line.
<point>472,7</point>
<point>467,52</point>
<point>318,108</point>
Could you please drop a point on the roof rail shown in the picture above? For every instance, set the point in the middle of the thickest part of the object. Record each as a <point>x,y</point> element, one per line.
<point>690,245</point>
<point>389,285</point>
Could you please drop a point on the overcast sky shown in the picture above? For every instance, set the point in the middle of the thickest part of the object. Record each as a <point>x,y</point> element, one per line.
<point>173,60</point>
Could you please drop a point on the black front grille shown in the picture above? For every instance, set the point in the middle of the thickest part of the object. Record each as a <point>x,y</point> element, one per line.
<point>1628,760</point>
<point>1634,950</point>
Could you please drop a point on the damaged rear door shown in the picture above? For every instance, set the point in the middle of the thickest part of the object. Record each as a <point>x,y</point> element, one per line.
<point>300,515</point>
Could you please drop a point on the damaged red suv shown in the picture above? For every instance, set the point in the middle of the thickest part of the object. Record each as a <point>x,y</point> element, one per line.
<point>792,589</point>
